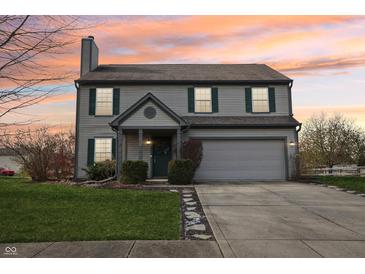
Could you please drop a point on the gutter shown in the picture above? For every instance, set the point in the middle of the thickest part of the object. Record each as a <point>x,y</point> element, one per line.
<point>299,127</point>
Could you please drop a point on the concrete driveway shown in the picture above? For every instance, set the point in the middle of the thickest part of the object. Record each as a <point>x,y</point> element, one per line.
<point>284,219</point>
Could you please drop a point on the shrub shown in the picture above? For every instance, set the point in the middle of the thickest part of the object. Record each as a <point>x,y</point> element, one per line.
<point>101,170</point>
<point>134,172</point>
<point>180,172</point>
<point>42,155</point>
<point>193,150</point>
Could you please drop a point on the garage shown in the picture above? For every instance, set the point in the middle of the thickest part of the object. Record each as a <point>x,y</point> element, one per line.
<point>242,160</point>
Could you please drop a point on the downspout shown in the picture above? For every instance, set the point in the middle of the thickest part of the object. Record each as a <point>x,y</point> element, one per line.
<point>116,154</point>
<point>77,86</point>
<point>297,159</point>
<point>290,98</point>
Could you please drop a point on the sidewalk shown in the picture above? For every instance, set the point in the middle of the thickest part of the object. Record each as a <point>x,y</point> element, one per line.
<point>112,249</point>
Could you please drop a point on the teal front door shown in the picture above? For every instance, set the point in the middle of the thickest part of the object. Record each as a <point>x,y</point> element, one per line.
<point>161,155</point>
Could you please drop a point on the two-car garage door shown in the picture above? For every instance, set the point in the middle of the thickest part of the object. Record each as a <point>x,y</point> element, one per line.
<point>242,160</point>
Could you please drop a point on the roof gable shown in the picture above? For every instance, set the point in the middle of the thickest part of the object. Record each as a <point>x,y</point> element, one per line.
<point>163,116</point>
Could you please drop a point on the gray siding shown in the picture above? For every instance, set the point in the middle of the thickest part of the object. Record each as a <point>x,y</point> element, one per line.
<point>231,98</point>
<point>231,102</point>
<point>138,118</point>
<point>242,133</point>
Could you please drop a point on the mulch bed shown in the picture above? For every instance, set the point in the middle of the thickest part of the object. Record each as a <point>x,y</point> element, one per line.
<point>188,234</point>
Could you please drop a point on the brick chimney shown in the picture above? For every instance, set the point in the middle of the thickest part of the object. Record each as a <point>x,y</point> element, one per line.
<point>89,55</point>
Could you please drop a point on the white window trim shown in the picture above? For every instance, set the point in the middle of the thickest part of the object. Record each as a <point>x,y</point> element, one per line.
<point>268,100</point>
<point>195,100</point>
<point>111,147</point>
<point>96,103</point>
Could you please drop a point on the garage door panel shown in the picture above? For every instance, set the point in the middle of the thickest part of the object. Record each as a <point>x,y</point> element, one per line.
<point>242,160</point>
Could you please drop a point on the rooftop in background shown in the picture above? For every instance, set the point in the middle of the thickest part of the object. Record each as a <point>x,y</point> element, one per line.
<point>184,73</point>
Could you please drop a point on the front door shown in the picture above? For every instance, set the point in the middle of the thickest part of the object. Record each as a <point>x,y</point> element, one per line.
<point>161,155</point>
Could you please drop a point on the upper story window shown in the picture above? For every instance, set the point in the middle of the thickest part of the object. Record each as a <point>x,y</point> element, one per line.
<point>203,99</point>
<point>260,100</point>
<point>104,101</point>
<point>103,149</point>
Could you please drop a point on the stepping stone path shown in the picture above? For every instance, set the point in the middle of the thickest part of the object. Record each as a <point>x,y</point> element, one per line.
<point>199,227</point>
<point>202,236</point>
<point>190,203</point>
<point>195,222</point>
<point>192,215</point>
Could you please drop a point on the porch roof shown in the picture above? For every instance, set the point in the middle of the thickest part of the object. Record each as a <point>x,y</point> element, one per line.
<point>149,97</point>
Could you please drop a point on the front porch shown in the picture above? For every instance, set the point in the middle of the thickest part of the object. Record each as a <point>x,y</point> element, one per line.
<point>148,131</point>
<point>154,145</point>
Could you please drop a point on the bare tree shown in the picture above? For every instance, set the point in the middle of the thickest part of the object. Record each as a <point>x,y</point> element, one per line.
<point>24,76</point>
<point>42,155</point>
<point>327,141</point>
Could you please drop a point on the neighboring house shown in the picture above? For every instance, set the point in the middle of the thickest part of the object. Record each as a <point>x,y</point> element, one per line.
<point>241,112</point>
<point>7,160</point>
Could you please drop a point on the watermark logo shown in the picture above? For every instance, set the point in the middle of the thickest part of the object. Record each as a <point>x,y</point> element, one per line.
<point>10,250</point>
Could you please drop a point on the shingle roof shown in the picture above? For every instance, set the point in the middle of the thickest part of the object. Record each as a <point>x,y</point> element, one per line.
<point>184,73</point>
<point>242,121</point>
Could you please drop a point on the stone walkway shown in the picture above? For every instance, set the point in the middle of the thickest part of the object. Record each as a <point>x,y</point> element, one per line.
<point>195,223</point>
<point>112,249</point>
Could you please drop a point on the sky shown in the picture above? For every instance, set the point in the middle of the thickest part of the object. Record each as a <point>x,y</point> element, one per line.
<point>324,55</point>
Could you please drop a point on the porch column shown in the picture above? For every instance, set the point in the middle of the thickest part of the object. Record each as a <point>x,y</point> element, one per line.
<point>119,153</point>
<point>178,144</point>
<point>140,144</point>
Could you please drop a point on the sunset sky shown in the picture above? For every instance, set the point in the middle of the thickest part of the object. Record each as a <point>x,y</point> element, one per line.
<point>325,55</point>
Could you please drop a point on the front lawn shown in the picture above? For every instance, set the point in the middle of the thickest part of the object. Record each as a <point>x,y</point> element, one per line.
<point>350,183</point>
<point>32,212</point>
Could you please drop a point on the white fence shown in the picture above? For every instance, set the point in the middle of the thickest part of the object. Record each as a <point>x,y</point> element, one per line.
<point>337,171</point>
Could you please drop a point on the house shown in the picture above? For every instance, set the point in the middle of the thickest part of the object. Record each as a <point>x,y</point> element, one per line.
<point>241,112</point>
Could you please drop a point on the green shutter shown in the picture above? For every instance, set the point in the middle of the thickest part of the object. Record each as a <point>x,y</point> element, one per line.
<point>90,151</point>
<point>191,100</point>
<point>114,148</point>
<point>92,101</point>
<point>272,105</point>
<point>116,94</point>
<point>248,98</point>
<point>214,99</point>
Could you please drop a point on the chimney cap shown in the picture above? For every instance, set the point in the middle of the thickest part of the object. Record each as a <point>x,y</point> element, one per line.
<point>91,37</point>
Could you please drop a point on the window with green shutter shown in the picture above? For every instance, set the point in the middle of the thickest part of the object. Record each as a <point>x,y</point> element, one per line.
<point>248,99</point>
<point>90,151</point>
<point>272,103</point>
<point>116,101</point>
<point>215,99</point>
<point>191,100</point>
<point>114,148</point>
<point>92,101</point>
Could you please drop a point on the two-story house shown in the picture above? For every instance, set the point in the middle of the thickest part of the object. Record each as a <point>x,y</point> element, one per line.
<point>242,113</point>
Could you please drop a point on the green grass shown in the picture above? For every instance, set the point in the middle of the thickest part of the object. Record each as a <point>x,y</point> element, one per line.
<point>32,212</point>
<point>350,183</point>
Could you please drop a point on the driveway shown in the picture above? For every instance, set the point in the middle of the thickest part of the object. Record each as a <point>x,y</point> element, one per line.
<point>284,219</point>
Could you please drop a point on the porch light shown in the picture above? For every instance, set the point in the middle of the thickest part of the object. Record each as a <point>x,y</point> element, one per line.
<point>291,143</point>
<point>148,141</point>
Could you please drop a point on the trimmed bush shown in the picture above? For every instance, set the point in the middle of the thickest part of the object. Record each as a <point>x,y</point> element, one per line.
<point>101,170</point>
<point>134,172</point>
<point>181,172</point>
